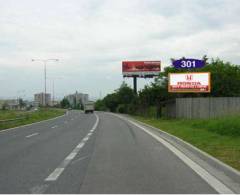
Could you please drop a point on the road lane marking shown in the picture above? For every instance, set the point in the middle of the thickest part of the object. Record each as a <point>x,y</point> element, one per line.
<point>54,127</point>
<point>80,145</point>
<point>85,139</point>
<point>55,174</point>
<point>39,189</point>
<point>96,124</point>
<point>58,171</point>
<point>205,175</point>
<point>71,156</point>
<point>34,134</point>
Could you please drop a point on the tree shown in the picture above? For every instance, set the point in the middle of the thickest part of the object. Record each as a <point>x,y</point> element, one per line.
<point>21,103</point>
<point>111,102</point>
<point>100,105</point>
<point>121,100</point>
<point>65,103</point>
<point>125,94</point>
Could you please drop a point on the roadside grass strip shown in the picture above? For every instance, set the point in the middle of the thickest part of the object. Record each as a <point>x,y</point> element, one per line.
<point>30,118</point>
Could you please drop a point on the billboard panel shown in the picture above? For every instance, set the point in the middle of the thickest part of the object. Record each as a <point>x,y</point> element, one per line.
<point>192,82</point>
<point>141,68</point>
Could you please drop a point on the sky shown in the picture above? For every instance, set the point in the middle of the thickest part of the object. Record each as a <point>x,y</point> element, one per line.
<point>92,37</point>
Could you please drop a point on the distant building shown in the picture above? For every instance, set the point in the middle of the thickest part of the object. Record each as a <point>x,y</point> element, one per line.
<point>55,103</point>
<point>42,99</point>
<point>77,99</point>
<point>11,104</point>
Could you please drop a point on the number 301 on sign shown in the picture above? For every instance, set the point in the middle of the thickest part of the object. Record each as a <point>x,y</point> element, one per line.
<point>188,63</point>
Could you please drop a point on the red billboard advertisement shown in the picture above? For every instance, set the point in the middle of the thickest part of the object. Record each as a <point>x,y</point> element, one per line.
<point>141,68</point>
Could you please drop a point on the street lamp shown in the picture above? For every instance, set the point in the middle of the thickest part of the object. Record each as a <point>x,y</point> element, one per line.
<point>45,75</point>
<point>53,92</point>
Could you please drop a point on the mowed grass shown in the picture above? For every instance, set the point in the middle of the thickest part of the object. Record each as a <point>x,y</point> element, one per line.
<point>219,137</point>
<point>27,117</point>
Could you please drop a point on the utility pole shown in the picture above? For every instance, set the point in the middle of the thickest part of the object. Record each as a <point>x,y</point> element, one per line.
<point>53,94</point>
<point>45,76</point>
<point>45,82</point>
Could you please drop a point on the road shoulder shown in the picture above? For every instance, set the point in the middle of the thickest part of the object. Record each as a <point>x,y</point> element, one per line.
<point>224,173</point>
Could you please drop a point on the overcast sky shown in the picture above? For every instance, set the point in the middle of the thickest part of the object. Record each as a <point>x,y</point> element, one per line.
<point>92,37</point>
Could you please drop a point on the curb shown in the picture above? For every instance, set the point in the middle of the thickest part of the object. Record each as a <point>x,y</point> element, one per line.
<point>190,145</point>
<point>225,173</point>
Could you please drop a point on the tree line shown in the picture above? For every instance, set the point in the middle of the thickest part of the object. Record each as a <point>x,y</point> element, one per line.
<point>225,82</point>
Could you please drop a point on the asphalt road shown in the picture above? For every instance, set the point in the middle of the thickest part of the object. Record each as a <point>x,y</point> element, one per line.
<point>94,153</point>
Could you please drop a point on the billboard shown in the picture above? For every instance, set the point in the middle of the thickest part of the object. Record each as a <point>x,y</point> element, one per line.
<point>191,82</point>
<point>141,68</point>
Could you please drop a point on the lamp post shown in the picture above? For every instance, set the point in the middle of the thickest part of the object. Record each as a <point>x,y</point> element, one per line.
<point>53,87</point>
<point>45,75</point>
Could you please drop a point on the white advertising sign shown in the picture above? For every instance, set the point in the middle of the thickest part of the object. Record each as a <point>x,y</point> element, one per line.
<point>192,82</point>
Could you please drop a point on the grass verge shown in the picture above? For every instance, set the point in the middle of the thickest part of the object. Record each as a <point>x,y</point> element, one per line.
<point>27,117</point>
<point>218,137</point>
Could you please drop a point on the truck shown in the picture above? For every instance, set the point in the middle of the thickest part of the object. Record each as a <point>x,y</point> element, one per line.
<point>89,107</point>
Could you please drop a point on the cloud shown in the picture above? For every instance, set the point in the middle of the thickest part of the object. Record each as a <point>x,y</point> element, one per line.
<point>92,37</point>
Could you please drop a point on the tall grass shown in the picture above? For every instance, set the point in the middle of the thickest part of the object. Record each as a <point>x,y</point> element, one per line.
<point>228,125</point>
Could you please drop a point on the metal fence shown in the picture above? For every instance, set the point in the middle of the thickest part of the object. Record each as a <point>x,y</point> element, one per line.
<point>203,107</point>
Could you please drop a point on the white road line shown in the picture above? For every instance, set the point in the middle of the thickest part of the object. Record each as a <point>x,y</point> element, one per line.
<point>58,171</point>
<point>205,175</point>
<point>85,139</point>
<point>96,124</point>
<point>80,145</point>
<point>39,189</point>
<point>54,127</point>
<point>28,136</point>
<point>55,174</point>
<point>71,156</point>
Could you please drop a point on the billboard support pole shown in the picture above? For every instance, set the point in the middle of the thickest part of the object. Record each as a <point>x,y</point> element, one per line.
<point>135,84</point>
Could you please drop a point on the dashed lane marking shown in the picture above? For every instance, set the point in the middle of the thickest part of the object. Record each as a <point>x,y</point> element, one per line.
<point>58,171</point>
<point>34,134</point>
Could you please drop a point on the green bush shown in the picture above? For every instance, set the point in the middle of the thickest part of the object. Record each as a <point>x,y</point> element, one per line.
<point>122,108</point>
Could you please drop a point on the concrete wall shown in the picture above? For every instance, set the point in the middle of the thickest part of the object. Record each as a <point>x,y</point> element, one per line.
<point>203,107</point>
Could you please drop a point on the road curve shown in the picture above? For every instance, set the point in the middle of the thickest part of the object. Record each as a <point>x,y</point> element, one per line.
<point>91,153</point>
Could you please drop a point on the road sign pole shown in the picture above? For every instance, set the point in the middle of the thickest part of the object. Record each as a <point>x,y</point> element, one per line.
<point>135,84</point>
